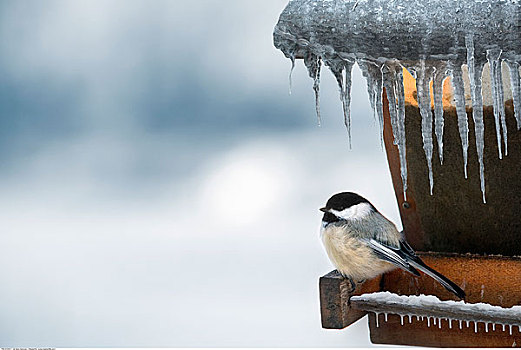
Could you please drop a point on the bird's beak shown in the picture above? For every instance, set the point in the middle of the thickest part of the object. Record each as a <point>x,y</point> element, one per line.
<point>325,210</point>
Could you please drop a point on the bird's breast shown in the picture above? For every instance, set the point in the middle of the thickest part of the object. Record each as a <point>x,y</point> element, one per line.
<point>351,255</point>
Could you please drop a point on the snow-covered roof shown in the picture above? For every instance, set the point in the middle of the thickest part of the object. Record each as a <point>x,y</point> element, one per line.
<point>432,39</point>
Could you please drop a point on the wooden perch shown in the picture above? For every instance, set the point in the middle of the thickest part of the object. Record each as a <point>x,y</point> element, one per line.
<point>335,292</point>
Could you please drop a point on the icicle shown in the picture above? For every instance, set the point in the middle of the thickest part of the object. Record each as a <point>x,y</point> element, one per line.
<point>376,316</point>
<point>468,323</point>
<point>373,75</point>
<point>463,124</point>
<point>424,101</point>
<point>341,69</point>
<point>428,321</point>
<point>493,327</point>
<point>418,318</point>
<point>501,99</point>
<point>392,75</point>
<point>519,329</point>
<point>497,96</point>
<point>401,320</point>
<point>314,65</point>
<point>510,326</point>
<point>439,323</point>
<point>475,327</point>
<point>400,106</point>
<point>292,58</point>
<point>388,83</point>
<point>437,89</point>
<point>503,328</point>
<point>348,67</point>
<point>385,316</point>
<point>434,320</point>
<point>378,89</point>
<point>475,71</point>
<point>410,318</point>
<point>369,78</point>
<point>486,327</point>
<point>513,68</point>
<point>460,324</point>
<point>450,323</point>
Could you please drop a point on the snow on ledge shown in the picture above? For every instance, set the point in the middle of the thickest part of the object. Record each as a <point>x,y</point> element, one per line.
<point>427,301</point>
<point>429,306</point>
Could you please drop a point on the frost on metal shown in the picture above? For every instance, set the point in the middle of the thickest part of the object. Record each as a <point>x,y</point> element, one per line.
<point>435,311</point>
<point>432,39</point>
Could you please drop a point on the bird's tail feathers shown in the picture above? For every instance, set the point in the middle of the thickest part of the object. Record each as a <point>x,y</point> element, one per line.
<point>444,281</point>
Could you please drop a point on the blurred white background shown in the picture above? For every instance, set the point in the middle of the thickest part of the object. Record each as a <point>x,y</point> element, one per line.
<point>159,185</point>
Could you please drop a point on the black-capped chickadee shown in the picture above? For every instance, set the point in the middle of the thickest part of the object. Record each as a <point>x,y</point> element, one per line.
<point>363,244</point>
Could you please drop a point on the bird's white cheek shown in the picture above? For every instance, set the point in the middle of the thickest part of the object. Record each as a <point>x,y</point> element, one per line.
<point>355,212</point>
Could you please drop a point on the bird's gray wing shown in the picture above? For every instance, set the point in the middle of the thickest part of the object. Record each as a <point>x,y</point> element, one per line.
<point>405,258</point>
<point>394,255</point>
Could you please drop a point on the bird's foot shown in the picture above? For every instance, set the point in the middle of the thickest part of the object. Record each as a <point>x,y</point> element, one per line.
<point>353,284</point>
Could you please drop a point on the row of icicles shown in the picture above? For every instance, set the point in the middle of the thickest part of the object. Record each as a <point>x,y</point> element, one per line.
<point>388,74</point>
<point>438,321</point>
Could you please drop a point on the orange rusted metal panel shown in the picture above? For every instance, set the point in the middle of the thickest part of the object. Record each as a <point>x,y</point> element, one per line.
<point>417,333</point>
<point>488,279</point>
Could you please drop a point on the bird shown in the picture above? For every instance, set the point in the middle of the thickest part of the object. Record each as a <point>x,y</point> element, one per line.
<point>362,243</point>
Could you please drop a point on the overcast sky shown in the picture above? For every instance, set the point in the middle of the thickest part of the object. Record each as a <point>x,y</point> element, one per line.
<point>160,187</point>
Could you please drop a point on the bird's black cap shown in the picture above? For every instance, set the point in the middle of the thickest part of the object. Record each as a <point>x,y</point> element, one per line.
<point>341,201</point>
